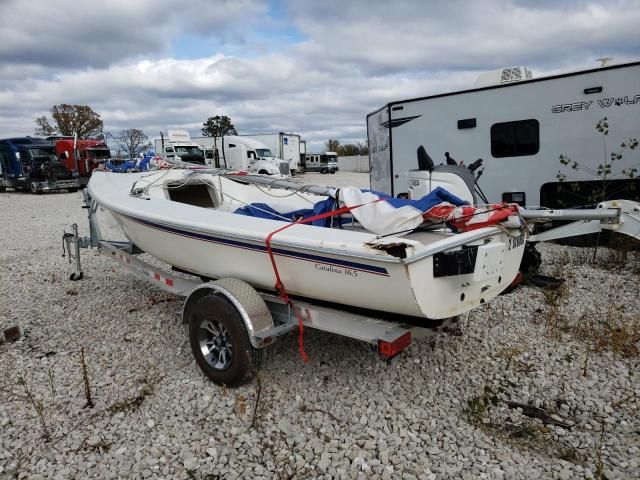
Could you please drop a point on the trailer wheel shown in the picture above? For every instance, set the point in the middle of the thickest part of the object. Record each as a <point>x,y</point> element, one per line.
<point>220,342</point>
<point>324,170</point>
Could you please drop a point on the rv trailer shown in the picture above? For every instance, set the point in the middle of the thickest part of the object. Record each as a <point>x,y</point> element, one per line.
<point>519,126</point>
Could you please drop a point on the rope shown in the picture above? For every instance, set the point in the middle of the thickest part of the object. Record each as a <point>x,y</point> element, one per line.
<point>282,292</point>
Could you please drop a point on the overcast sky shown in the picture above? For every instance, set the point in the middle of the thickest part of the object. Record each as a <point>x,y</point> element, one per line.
<point>310,67</point>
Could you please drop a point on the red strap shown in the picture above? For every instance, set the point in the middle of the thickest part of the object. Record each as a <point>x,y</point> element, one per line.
<point>280,286</point>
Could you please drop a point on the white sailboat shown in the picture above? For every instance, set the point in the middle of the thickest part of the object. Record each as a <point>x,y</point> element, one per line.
<point>191,220</point>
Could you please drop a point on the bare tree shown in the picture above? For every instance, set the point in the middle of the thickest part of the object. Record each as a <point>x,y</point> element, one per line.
<point>44,128</point>
<point>363,147</point>
<point>131,142</point>
<point>332,145</point>
<point>80,120</point>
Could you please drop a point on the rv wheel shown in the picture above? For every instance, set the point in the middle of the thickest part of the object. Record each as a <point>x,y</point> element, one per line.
<point>220,343</point>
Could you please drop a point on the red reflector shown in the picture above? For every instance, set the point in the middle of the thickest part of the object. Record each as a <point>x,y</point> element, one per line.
<point>156,276</point>
<point>169,282</point>
<point>391,349</point>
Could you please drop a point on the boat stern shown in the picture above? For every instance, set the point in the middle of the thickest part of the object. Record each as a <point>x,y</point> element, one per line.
<point>454,281</point>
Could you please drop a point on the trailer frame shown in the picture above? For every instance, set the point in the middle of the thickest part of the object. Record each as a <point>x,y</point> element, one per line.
<point>265,316</point>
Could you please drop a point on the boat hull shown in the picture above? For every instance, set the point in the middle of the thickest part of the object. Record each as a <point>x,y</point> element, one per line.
<point>387,286</point>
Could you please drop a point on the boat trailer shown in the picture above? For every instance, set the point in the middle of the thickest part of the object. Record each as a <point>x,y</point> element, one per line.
<point>262,316</point>
<point>255,319</point>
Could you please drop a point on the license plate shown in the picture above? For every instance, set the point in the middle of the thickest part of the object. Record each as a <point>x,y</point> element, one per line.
<point>489,261</point>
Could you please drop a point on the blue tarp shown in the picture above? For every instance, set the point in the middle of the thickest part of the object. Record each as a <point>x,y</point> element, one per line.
<point>262,210</point>
<point>436,197</point>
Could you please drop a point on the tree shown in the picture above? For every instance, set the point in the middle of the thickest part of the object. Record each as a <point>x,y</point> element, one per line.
<point>131,142</point>
<point>605,172</point>
<point>80,120</point>
<point>218,126</point>
<point>44,127</point>
<point>347,150</point>
<point>332,145</point>
<point>363,147</point>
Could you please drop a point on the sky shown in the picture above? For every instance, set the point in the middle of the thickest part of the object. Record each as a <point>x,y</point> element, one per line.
<point>315,68</point>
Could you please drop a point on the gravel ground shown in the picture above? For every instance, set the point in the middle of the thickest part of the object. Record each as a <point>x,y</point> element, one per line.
<point>440,410</point>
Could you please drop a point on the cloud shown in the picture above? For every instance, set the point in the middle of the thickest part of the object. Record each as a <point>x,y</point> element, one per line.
<point>69,34</point>
<point>346,58</point>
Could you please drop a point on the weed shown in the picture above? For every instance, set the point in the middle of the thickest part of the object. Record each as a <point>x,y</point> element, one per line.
<point>37,406</point>
<point>480,404</point>
<point>85,378</point>
<point>509,353</point>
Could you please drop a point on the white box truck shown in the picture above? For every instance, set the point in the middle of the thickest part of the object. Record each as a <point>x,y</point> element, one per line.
<point>519,126</point>
<point>242,153</point>
<point>283,145</point>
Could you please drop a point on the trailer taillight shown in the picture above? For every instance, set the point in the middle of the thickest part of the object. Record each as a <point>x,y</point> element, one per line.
<point>389,350</point>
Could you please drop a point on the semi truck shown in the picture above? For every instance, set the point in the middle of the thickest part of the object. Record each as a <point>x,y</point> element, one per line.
<point>178,147</point>
<point>519,125</point>
<point>30,163</point>
<point>283,145</point>
<point>82,156</point>
<point>242,153</point>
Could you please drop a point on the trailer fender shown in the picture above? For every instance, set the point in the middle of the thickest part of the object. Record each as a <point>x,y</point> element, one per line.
<point>247,301</point>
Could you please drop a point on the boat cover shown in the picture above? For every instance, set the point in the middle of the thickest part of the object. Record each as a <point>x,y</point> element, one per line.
<point>382,214</point>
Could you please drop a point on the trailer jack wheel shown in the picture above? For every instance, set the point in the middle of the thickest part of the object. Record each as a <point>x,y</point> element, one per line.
<point>220,342</point>
<point>74,277</point>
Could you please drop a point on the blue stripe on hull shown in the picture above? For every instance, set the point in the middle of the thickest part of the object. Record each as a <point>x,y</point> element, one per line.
<point>362,267</point>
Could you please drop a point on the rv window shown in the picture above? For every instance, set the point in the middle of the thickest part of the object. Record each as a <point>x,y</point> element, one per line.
<point>515,139</point>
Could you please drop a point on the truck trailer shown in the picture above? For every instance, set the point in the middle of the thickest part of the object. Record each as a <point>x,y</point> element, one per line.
<point>30,163</point>
<point>519,126</point>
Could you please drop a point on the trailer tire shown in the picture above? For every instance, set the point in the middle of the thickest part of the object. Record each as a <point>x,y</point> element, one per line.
<point>216,325</point>
<point>324,170</point>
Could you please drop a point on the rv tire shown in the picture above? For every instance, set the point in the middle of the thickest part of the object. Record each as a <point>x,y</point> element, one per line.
<point>216,327</point>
